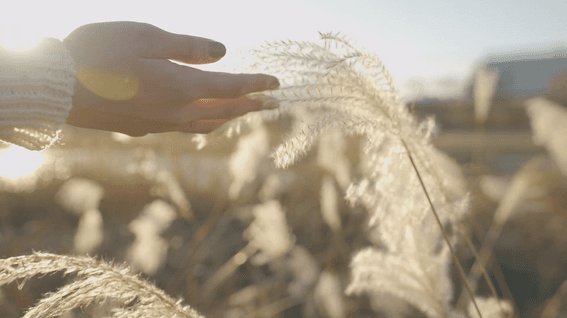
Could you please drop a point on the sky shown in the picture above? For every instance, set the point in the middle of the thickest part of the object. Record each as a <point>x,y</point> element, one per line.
<point>419,40</point>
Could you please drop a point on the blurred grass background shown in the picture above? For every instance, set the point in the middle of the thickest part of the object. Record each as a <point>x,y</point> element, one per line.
<point>207,231</point>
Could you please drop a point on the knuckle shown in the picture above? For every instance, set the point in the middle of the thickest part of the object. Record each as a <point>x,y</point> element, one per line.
<point>143,34</point>
<point>235,92</point>
<point>191,51</point>
<point>144,28</point>
<point>214,85</point>
<point>226,91</point>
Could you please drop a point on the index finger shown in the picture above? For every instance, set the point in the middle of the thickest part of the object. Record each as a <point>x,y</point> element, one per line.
<point>180,47</point>
<point>227,85</point>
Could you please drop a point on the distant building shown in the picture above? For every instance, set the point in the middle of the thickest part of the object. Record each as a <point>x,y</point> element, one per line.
<point>527,75</point>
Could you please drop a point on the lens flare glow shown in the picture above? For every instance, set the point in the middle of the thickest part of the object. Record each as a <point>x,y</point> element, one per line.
<point>19,38</point>
<point>17,162</point>
<point>107,84</point>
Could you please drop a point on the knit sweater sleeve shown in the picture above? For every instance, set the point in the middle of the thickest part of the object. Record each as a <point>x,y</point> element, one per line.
<point>36,90</point>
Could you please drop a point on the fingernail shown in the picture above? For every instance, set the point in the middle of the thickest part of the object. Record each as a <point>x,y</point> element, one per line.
<point>216,49</point>
<point>273,83</point>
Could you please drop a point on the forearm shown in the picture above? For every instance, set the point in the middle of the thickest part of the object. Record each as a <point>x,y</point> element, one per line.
<point>36,90</point>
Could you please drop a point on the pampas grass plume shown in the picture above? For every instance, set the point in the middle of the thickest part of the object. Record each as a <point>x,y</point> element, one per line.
<point>96,281</point>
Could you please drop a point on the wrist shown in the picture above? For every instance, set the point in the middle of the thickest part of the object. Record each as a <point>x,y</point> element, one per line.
<point>36,90</point>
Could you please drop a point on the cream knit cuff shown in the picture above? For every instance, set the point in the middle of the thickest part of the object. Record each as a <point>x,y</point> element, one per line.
<point>36,90</point>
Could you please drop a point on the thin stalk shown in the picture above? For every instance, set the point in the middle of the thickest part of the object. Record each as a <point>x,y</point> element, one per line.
<point>499,278</point>
<point>445,236</point>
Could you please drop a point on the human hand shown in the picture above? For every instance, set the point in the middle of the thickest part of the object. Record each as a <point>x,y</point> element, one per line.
<point>127,84</point>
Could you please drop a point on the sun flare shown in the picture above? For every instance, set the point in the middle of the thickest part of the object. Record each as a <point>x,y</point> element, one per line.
<point>17,162</point>
<point>19,38</point>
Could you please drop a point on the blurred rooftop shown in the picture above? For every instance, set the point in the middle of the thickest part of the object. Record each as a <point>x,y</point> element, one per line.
<point>524,72</point>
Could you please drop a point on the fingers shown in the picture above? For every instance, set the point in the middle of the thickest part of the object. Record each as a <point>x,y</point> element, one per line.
<point>113,43</point>
<point>224,109</point>
<point>196,50</point>
<point>209,110</point>
<point>183,48</point>
<point>217,112</point>
<point>201,117</point>
<point>226,85</point>
<point>182,84</point>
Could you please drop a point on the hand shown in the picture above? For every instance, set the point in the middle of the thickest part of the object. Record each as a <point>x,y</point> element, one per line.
<point>127,84</point>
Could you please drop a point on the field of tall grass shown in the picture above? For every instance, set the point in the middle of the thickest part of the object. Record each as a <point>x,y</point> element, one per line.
<point>334,203</point>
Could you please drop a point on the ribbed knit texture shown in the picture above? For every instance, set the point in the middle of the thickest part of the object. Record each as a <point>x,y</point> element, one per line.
<point>36,90</point>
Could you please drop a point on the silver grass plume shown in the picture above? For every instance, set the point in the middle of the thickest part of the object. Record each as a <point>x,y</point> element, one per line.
<point>96,282</point>
<point>549,126</point>
<point>336,86</point>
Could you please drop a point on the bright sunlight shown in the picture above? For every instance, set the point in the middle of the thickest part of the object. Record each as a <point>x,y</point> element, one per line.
<point>19,38</point>
<point>17,162</point>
